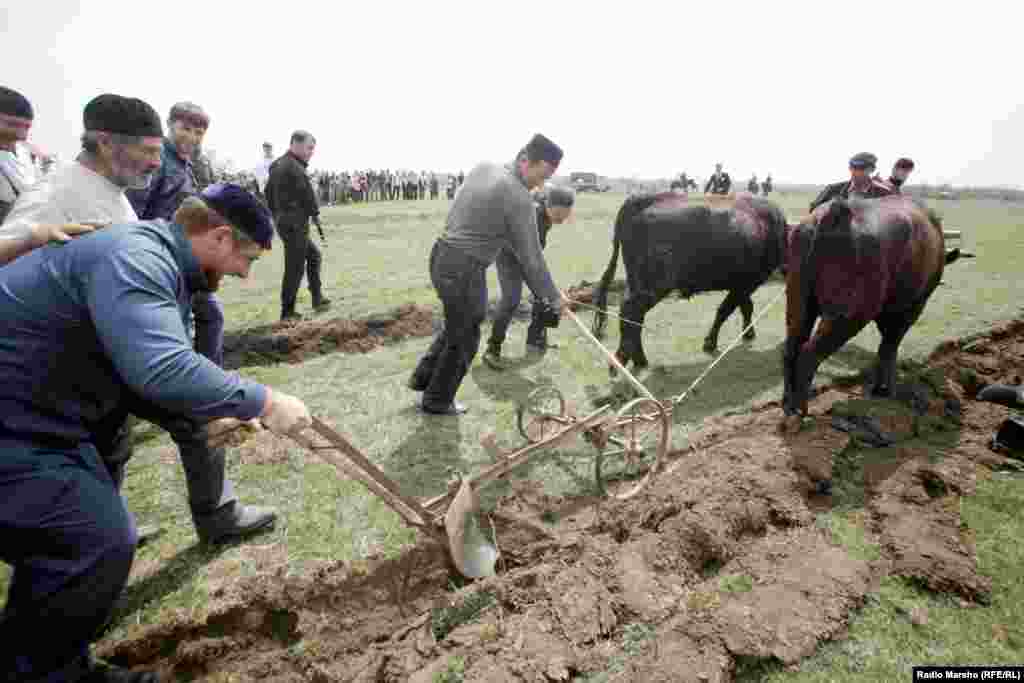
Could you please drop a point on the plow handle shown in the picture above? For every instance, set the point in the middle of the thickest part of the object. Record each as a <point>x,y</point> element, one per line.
<point>356,466</point>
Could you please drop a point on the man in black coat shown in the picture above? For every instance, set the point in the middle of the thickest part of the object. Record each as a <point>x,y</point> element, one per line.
<point>719,183</point>
<point>291,198</point>
<point>860,184</point>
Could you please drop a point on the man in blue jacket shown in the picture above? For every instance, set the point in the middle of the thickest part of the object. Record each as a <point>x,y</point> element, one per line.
<point>123,149</point>
<point>84,327</point>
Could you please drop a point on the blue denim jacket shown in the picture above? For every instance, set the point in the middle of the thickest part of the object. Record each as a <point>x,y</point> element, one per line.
<point>171,183</point>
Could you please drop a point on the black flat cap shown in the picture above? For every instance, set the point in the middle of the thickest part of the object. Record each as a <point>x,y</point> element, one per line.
<point>242,209</point>
<point>13,103</point>
<point>863,160</point>
<point>122,115</point>
<point>541,148</point>
<point>190,112</point>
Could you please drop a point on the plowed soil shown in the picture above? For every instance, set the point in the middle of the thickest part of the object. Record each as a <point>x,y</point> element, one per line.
<point>295,342</point>
<point>723,558</point>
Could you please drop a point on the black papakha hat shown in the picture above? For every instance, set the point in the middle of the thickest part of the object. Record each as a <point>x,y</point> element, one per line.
<point>122,115</point>
<point>13,103</point>
<point>542,149</point>
<point>242,209</point>
<point>863,160</point>
<point>561,196</point>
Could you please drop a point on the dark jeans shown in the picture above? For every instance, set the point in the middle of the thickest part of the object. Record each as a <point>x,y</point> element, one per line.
<point>461,284</point>
<point>209,321</point>
<point>71,541</point>
<point>510,277</point>
<point>300,254</point>
<point>207,484</point>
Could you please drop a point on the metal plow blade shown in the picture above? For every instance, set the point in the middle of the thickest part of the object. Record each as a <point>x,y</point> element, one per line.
<point>474,556</point>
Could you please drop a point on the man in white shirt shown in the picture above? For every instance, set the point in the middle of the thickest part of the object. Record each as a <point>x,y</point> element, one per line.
<point>79,195</point>
<point>17,173</point>
<point>263,170</point>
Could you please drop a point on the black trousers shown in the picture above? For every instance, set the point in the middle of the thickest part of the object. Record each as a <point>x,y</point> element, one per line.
<point>510,277</point>
<point>300,254</point>
<point>70,539</point>
<point>206,480</point>
<point>461,283</point>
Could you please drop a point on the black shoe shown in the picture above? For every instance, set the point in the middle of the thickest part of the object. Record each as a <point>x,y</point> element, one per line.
<point>234,521</point>
<point>290,317</point>
<point>492,358</point>
<point>322,305</point>
<point>454,408</point>
<point>147,533</point>
<point>416,384</point>
<point>539,347</point>
<point>105,673</point>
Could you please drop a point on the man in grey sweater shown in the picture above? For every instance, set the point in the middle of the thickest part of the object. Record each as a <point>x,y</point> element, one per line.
<point>492,211</point>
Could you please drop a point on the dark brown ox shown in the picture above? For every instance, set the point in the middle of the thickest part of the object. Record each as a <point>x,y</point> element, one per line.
<point>669,245</point>
<point>853,262</point>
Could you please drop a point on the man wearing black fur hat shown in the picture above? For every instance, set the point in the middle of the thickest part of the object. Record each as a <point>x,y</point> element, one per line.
<point>552,207</point>
<point>492,211</point>
<point>121,148</point>
<point>88,327</point>
<point>16,176</point>
<point>860,184</point>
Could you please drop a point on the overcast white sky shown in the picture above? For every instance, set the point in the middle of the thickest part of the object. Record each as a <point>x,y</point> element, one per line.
<point>627,88</point>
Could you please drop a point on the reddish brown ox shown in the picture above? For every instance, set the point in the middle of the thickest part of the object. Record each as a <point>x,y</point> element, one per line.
<point>852,262</point>
<point>670,245</point>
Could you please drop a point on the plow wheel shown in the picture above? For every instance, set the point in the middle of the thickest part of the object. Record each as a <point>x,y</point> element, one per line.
<point>631,448</point>
<point>542,415</point>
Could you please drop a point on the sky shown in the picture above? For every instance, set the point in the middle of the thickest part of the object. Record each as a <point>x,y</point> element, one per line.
<point>628,89</point>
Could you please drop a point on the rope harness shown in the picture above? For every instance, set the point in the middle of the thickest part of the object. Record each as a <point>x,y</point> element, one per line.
<point>676,400</point>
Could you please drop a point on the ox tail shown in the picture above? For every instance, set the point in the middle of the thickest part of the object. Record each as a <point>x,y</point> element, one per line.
<point>629,208</point>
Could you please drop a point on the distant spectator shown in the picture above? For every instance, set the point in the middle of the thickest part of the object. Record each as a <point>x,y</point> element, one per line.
<point>263,168</point>
<point>719,182</point>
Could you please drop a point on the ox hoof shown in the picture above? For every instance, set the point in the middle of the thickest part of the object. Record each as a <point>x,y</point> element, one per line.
<point>749,336</point>
<point>823,487</point>
<point>881,391</point>
<point>710,346</point>
<point>790,424</point>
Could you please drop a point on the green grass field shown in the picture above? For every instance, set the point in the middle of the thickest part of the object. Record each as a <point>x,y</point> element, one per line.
<point>376,258</point>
